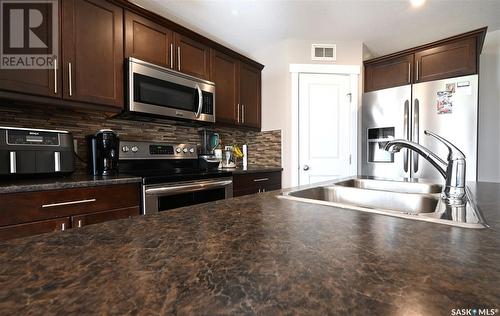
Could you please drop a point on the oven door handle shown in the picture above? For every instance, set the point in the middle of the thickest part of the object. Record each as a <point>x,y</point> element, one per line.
<point>187,188</point>
<point>200,101</point>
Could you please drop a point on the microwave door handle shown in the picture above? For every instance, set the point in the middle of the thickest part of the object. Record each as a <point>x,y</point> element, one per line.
<point>200,101</point>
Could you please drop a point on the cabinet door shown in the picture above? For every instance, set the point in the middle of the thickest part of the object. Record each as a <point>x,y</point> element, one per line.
<point>445,61</point>
<point>92,39</point>
<point>148,41</point>
<point>250,96</point>
<point>42,82</point>
<point>94,218</point>
<point>193,58</point>
<point>389,73</point>
<point>224,72</point>
<point>33,228</point>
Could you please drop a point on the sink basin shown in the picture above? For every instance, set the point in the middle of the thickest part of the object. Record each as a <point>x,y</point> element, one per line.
<point>393,186</point>
<point>411,200</point>
<point>393,201</point>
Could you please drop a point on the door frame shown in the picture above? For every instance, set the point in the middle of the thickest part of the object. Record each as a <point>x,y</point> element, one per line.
<point>354,73</point>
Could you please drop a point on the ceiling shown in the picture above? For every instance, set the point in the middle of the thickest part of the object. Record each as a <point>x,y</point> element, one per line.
<point>384,26</point>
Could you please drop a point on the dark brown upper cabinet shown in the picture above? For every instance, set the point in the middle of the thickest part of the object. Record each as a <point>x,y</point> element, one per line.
<point>92,42</point>
<point>41,82</point>
<point>389,73</point>
<point>448,60</point>
<point>148,41</point>
<point>224,72</point>
<point>450,57</point>
<point>192,57</point>
<point>250,96</point>
<point>237,91</point>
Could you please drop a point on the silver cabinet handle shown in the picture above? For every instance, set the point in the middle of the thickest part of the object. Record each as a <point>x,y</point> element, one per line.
<point>242,113</point>
<point>200,101</point>
<point>179,58</point>
<point>55,76</point>
<point>69,80</point>
<point>409,72</point>
<point>238,113</point>
<point>172,56</point>
<point>57,161</point>
<point>261,179</point>
<point>416,70</point>
<point>68,203</point>
<point>63,226</point>
<point>306,167</point>
<point>79,223</point>
<point>13,162</point>
<point>416,116</point>
<point>406,118</point>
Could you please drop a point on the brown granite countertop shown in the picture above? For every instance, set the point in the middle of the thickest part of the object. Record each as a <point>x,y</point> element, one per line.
<point>257,254</point>
<point>76,180</point>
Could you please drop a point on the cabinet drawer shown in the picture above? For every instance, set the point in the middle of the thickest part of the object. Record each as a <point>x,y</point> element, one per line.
<point>94,218</point>
<point>251,183</point>
<point>252,180</point>
<point>34,206</point>
<point>34,228</point>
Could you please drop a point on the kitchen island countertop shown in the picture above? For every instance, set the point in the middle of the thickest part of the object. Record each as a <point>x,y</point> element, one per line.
<point>257,254</point>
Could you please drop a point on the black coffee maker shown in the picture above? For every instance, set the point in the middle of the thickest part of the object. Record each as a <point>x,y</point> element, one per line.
<point>103,153</point>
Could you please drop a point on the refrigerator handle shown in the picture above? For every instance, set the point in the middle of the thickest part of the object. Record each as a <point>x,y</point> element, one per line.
<point>405,134</point>
<point>416,116</point>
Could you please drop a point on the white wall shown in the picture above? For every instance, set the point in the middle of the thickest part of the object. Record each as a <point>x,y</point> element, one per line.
<point>276,85</point>
<point>489,110</point>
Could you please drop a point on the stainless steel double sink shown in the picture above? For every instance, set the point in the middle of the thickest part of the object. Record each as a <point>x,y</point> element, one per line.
<point>413,200</point>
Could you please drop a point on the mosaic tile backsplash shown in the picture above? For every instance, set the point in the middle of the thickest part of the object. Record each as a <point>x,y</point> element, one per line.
<point>264,148</point>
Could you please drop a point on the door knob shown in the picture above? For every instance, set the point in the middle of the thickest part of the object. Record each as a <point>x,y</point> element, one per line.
<point>306,167</point>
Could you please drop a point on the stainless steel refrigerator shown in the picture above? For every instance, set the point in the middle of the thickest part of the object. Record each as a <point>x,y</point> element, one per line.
<point>447,107</point>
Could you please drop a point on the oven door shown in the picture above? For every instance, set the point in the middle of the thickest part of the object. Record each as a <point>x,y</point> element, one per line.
<point>163,197</point>
<point>163,92</point>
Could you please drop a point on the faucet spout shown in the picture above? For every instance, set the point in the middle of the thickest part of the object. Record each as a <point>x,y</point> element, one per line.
<point>453,170</point>
<point>396,145</point>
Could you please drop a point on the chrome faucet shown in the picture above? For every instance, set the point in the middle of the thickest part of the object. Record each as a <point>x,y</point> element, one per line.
<point>453,170</point>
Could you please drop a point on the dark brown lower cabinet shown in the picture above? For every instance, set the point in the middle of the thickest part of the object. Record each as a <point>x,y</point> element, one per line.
<point>250,183</point>
<point>32,213</point>
<point>95,218</point>
<point>33,228</point>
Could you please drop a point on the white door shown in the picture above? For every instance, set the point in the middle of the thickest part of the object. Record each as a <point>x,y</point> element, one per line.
<point>324,127</point>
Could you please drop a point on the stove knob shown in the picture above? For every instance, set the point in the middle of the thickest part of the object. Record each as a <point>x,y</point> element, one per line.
<point>177,150</point>
<point>191,150</point>
<point>185,150</point>
<point>125,149</point>
<point>135,149</point>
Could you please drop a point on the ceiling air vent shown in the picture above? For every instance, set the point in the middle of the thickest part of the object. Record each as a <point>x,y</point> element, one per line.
<point>326,52</point>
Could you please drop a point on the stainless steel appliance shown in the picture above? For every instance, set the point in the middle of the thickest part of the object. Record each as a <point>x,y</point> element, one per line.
<point>171,176</point>
<point>164,93</point>
<point>103,153</point>
<point>26,151</point>
<point>446,107</point>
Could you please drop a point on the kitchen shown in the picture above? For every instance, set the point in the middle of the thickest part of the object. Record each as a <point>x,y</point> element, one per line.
<point>113,201</point>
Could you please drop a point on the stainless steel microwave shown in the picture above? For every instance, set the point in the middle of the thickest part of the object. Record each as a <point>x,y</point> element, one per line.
<point>161,92</point>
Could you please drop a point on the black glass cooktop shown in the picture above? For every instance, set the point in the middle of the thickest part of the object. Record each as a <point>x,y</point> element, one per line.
<point>162,171</point>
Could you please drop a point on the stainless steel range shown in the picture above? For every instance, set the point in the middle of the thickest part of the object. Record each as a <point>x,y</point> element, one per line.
<point>171,176</point>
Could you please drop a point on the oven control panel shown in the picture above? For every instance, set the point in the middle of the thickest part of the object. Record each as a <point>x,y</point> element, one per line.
<point>150,150</point>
